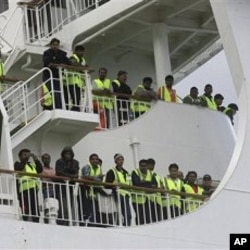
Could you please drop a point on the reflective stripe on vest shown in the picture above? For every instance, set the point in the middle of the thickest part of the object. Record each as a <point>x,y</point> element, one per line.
<point>165,94</point>
<point>28,182</point>
<point>46,96</point>
<point>137,198</point>
<point>75,77</point>
<point>1,68</point>
<point>170,184</point>
<point>117,82</point>
<point>189,205</point>
<point>94,172</point>
<point>119,178</point>
<point>210,103</point>
<point>157,196</point>
<point>139,106</point>
<point>104,102</point>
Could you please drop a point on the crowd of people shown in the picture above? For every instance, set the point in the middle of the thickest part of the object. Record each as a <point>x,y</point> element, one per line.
<point>153,198</point>
<point>104,87</point>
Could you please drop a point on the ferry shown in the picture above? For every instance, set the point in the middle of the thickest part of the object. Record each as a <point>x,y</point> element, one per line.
<point>145,38</point>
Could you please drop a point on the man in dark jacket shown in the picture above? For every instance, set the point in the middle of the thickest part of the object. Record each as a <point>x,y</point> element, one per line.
<point>50,57</point>
<point>120,87</point>
<point>66,166</point>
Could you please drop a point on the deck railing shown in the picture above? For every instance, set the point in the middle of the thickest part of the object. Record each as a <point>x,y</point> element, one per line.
<point>42,20</point>
<point>80,202</point>
<point>26,100</point>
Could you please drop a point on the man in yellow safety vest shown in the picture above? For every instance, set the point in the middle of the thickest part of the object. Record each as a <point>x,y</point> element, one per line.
<point>28,185</point>
<point>75,80</point>
<point>167,93</point>
<point>119,175</point>
<point>102,99</point>
<point>144,94</point>
<point>207,98</point>
<point>142,177</point>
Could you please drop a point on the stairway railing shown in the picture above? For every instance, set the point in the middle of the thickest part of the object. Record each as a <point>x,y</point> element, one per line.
<point>25,100</point>
<point>43,20</point>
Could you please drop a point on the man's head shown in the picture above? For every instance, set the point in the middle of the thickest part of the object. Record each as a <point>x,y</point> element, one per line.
<point>102,73</point>
<point>79,50</point>
<point>194,92</point>
<point>151,164</point>
<point>208,89</point>
<point>173,170</point>
<point>94,160</point>
<point>218,98</point>
<point>234,107</point>
<point>24,155</point>
<point>169,81</point>
<point>122,76</point>
<point>191,177</point>
<point>54,44</point>
<point>119,160</point>
<point>147,81</point>
<point>207,180</point>
<point>46,159</point>
<point>143,166</point>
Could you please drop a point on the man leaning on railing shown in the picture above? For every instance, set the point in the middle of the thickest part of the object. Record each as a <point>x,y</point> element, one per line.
<point>27,186</point>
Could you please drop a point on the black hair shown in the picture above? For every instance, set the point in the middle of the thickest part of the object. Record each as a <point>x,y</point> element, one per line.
<point>208,86</point>
<point>147,79</point>
<point>24,150</point>
<point>103,69</point>
<point>79,48</point>
<point>173,165</point>
<point>54,40</point>
<point>143,161</point>
<point>233,106</point>
<point>151,161</point>
<point>191,172</point>
<point>121,72</point>
<point>219,96</point>
<point>92,155</point>
<point>193,88</point>
<point>169,77</point>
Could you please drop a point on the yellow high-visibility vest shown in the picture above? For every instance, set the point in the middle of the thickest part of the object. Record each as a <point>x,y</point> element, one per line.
<point>170,184</point>
<point>75,77</point>
<point>28,182</point>
<point>210,103</point>
<point>191,203</point>
<point>94,172</point>
<point>46,96</point>
<point>119,178</point>
<point>137,198</point>
<point>165,94</point>
<point>140,106</point>
<point>157,196</point>
<point>104,102</point>
<point>117,82</point>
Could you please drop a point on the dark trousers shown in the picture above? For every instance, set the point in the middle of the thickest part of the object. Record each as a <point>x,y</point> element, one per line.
<point>142,212</point>
<point>74,92</point>
<point>156,211</point>
<point>56,93</point>
<point>125,209</point>
<point>175,211</point>
<point>29,204</point>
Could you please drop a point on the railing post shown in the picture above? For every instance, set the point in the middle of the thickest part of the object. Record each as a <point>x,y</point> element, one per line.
<point>61,88</point>
<point>38,28</point>
<point>89,92</point>
<point>120,216</point>
<point>68,197</point>
<point>26,24</point>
